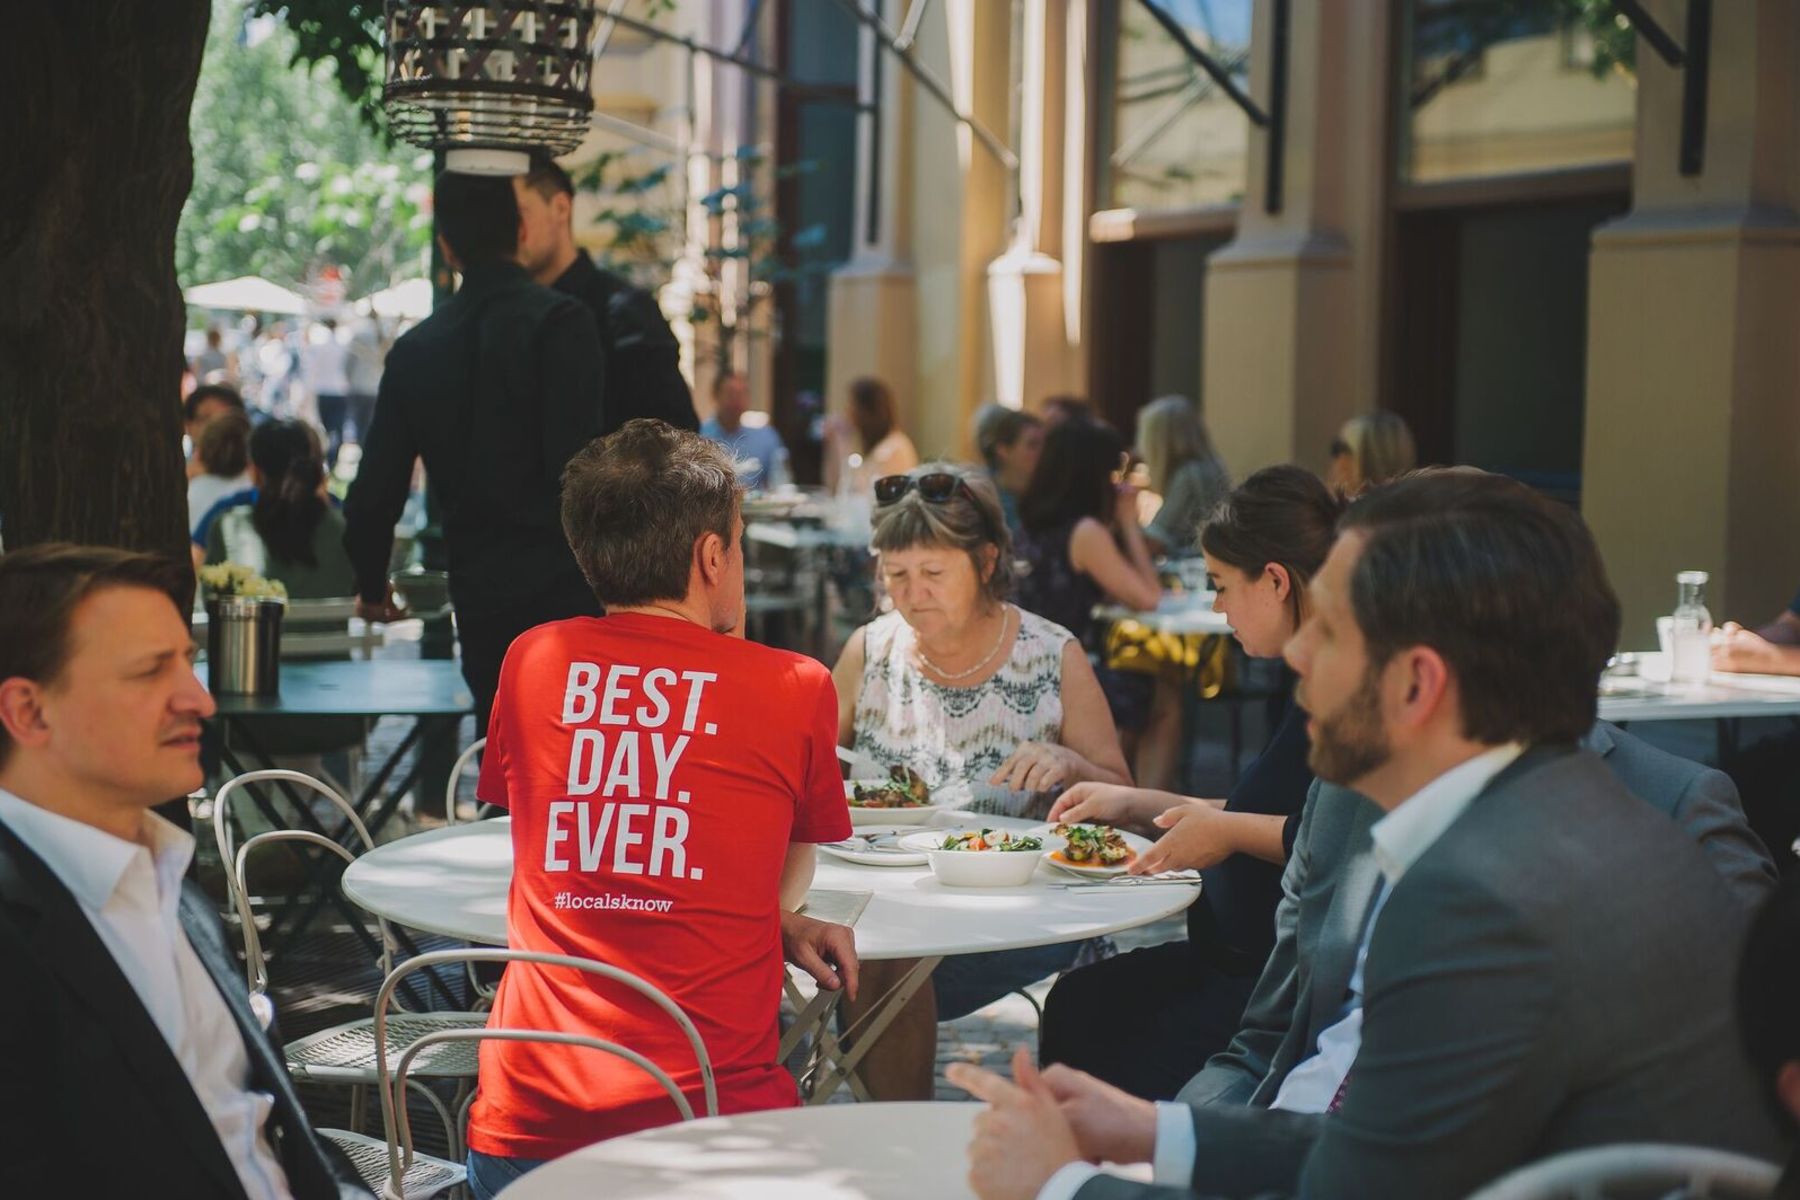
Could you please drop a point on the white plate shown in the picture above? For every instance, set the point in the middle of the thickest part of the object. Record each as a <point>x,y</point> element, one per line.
<point>1136,844</point>
<point>870,818</point>
<point>877,858</point>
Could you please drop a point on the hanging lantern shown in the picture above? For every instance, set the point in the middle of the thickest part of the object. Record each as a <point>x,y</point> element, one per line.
<point>489,83</point>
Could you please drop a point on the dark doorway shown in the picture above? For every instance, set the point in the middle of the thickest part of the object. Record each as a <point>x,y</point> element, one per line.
<point>1489,338</point>
<point>1147,323</point>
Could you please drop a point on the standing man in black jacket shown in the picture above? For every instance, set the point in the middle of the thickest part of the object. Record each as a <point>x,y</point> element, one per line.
<point>496,391</point>
<point>643,369</point>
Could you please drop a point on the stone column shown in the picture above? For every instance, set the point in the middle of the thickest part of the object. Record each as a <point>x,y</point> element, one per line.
<point>1691,457</point>
<point>1292,330</point>
<point>871,323</point>
<point>1035,344</point>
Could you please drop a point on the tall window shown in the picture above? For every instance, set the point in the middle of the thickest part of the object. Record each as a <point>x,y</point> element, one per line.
<point>816,151</point>
<point>1169,137</point>
<point>1501,87</point>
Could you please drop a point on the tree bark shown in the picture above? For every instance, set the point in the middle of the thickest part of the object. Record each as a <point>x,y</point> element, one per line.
<point>96,96</point>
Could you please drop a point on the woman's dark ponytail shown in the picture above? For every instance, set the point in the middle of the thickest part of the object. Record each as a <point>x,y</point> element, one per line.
<point>289,506</point>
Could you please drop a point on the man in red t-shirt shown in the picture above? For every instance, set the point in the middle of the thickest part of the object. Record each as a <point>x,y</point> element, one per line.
<point>667,781</point>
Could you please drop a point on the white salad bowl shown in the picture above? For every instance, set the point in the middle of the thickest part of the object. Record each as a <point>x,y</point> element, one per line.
<point>977,868</point>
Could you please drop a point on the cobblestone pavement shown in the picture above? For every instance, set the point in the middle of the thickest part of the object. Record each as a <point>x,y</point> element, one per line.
<point>989,1035</point>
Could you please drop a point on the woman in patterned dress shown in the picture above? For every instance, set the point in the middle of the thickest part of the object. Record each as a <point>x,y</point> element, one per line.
<point>996,705</point>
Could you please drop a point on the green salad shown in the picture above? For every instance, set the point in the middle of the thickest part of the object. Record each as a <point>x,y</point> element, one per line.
<point>992,839</point>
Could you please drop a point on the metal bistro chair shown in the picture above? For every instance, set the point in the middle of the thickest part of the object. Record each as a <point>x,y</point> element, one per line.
<point>405,1181</point>
<point>1644,1170</point>
<point>456,773</point>
<point>483,992</point>
<point>343,1055</point>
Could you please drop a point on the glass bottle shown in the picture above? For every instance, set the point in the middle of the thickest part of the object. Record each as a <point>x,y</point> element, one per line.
<point>1690,633</point>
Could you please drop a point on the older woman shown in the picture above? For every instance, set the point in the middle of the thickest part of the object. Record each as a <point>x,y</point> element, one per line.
<point>966,689</point>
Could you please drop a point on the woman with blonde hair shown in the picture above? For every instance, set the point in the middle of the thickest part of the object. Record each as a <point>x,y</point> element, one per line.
<point>1183,469</point>
<point>1370,449</point>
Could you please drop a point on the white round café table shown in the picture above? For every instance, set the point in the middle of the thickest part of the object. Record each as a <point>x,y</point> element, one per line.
<point>841,1152</point>
<point>454,881</point>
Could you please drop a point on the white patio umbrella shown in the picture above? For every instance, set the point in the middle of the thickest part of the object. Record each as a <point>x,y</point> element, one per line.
<point>247,293</point>
<point>409,298</point>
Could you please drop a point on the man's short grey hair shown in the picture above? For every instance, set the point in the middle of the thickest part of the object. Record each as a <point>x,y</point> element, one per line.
<point>634,504</point>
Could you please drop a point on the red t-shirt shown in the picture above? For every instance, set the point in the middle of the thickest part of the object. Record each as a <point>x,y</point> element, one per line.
<point>656,773</point>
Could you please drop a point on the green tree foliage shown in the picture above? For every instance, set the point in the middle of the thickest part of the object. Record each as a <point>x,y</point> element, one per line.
<point>288,175</point>
<point>344,35</point>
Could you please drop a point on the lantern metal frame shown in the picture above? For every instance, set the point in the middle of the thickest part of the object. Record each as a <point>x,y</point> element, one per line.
<point>489,82</point>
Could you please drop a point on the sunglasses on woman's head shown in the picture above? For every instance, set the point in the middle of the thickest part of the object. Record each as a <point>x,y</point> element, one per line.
<point>936,488</point>
<point>939,487</point>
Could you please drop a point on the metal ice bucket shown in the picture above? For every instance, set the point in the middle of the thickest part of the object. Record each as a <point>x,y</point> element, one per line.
<point>243,645</point>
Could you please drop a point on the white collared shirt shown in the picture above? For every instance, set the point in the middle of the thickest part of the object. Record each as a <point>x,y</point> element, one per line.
<point>1400,839</point>
<point>131,894</point>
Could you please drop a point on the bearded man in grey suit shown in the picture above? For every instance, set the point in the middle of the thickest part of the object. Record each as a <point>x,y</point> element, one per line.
<point>1514,956</point>
<point>1332,873</point>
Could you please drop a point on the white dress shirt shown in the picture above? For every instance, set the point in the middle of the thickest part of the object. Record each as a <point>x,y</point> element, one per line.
<point>130,893</point>
<point>1400,839</point>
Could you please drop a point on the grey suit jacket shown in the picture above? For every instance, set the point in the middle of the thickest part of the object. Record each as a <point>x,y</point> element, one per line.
<point>1330,880</point>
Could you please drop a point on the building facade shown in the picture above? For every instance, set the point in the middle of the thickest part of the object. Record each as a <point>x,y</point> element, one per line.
<point>1508,220</point>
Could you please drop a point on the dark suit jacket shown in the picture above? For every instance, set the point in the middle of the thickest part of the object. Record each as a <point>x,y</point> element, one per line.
<point>94,1102</point>
<point>1331,879</point>
<point>643,359</point>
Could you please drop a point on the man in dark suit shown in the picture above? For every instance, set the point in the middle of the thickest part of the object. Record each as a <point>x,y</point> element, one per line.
<point>643,359</point>
<point>1504,997</point>
<point>495,391</point>
<point>134,1064</point>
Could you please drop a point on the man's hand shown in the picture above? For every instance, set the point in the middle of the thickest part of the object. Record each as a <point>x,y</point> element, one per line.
<point>1110,1125</point>
<point>823,950</point>
<point>1198,836</point>
<point>1022,1139</point>
<point>387,612</point>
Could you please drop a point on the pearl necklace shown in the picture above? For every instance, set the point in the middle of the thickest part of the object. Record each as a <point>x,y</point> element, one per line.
<point>1005,623</point>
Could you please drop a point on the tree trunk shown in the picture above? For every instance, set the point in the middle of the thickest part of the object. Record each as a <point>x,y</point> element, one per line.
<point>96,96</point>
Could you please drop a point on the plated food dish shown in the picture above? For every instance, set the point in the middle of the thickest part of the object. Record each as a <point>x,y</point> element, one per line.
<point>903,798</point>
<point>1093,850</point>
